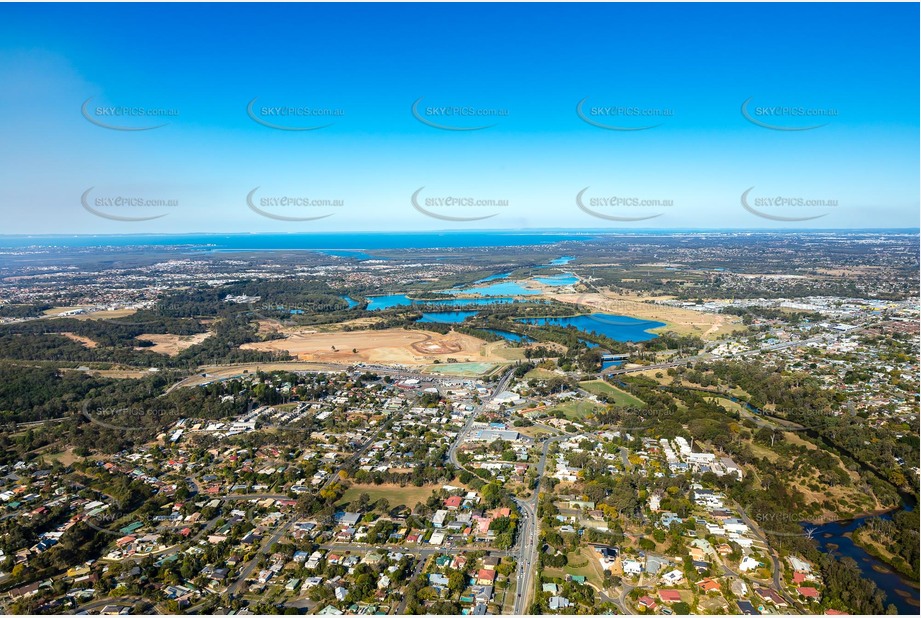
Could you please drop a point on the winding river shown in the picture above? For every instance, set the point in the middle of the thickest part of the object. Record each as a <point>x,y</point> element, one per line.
<point>834,538</point>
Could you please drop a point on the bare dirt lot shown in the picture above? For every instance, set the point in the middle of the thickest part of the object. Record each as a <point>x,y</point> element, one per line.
<point>86,341</point>
<point>171,345</point>
<point>393,345</point>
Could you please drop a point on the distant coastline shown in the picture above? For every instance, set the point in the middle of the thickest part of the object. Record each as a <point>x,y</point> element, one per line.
<point>364,241</point>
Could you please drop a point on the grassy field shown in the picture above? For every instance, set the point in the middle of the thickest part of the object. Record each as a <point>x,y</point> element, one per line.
<point>731,406</point>
<point>394,494</point>
<point>65,458</point>
<point>588,565</point>
<point>575,410</point>
<point>534,431</point>
<point>621,398</point>
<point>540,374</point>
<point>461,369</point>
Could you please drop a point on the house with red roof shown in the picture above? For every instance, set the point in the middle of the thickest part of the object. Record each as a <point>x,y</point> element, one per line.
<point>808,592</point>
<point>485,577</point>
<point>453,503</point>
<point>708,585</point>
<point>482,523</point>
<point>669,596</point>
<point>125,540</point>
<point>647,602</point>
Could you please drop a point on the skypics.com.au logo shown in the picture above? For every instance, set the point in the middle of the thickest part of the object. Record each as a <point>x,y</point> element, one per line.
<point>127,117</point>
<point>622,117</point>
<point>456,117</point>
<point>786,117</point>
<point>780,524</point>
<point>273,207</point>
<point>124,418</point>
<point>771,207</point>
<point>116,207</point>
<point>622,208</point>
<point>292,117</point>
<point>457,208</point>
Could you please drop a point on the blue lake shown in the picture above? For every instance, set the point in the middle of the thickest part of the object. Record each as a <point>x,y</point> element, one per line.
<point>510,336</point>
<point>562,279</point>
<point>352,303</point>
<point>447,317</point>
<point>401,300</point>
<point>566,259</point>
<point>616,327</point>
<point>506,288</point>
<point>493,277</point>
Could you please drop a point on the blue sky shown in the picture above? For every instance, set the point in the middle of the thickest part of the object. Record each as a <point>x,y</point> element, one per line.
<point>688,67</point>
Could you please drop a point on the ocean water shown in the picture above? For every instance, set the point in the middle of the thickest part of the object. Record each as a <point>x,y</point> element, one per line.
<point>351,242</point>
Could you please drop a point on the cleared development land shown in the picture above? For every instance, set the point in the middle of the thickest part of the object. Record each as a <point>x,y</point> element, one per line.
<point>171,345</point>
<point>392,345</point>
<point>86,341</point>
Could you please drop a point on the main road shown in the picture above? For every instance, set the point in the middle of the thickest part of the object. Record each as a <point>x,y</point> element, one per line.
<point>529,536</point>
<point>500,386</point>
<point>528,526</point>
